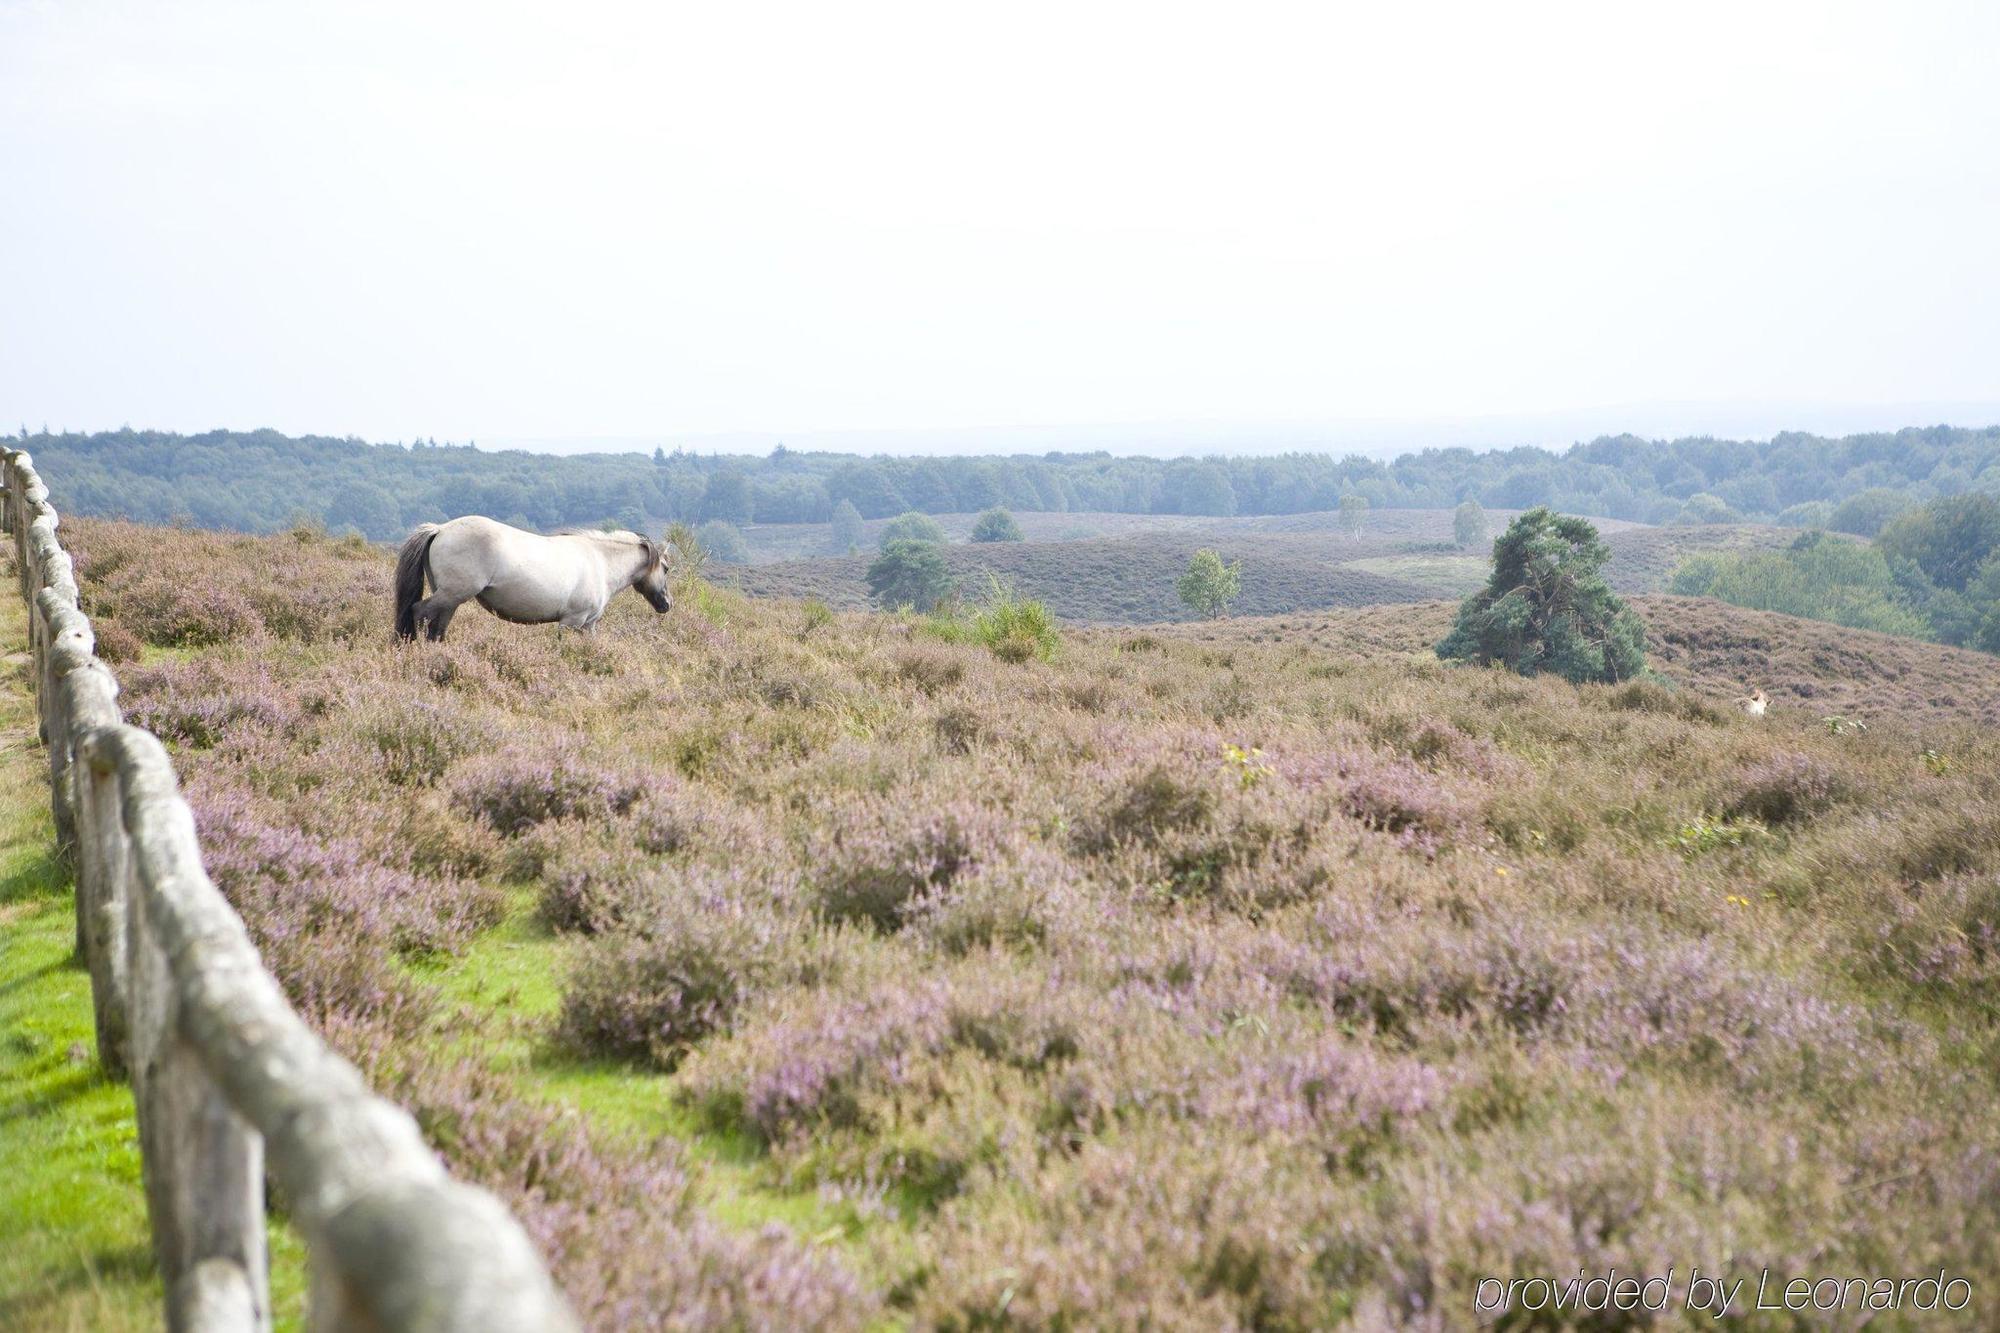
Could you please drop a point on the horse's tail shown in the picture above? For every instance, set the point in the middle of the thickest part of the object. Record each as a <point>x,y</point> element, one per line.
<point>410,577</point>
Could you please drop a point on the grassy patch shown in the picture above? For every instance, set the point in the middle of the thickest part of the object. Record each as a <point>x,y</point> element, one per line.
<point>75,1251</point>
<point>506,986</point>
<point>1446,575</point>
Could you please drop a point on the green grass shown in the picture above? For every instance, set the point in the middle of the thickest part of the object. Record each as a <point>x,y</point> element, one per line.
<point>509,983</point>
<point>1447,575</point>
<point>75,1251</point>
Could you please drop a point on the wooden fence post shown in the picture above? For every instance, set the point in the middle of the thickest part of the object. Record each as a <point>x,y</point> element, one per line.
<point>203,1165</point>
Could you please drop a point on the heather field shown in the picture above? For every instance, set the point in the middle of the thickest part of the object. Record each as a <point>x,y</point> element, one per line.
<point>797,968</point>
<point>1291,564</point>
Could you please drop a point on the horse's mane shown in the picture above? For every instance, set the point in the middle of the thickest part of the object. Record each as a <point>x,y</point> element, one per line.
<point>658,548</point>
<point>615,534</point>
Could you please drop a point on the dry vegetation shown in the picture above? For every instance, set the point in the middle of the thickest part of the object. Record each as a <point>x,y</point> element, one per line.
<point>1169,983</point>
<point>1810,668</point>
<point>1292,563</point>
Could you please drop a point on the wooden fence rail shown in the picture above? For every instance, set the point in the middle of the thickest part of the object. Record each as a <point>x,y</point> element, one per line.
<point>229,1082</point>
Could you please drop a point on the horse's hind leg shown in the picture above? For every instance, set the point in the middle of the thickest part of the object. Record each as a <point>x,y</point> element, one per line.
<point>434,613</point>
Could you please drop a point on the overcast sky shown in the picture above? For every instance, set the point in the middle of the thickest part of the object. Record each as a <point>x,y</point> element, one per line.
<point>565,221</point>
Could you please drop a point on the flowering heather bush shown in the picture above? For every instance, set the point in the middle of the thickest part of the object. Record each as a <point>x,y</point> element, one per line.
<point>419,740</point>
<point>174,613</point>
<point>199,703</point>
<point>1159,1231</point>
<point>117,644</point>
<point>1256,974</point>
<point>679,973</point>
<point>1017,900</point>
<point>879,857</point>
<point>517,789</point>
<point>330,886</point>
<point>1786,789</point>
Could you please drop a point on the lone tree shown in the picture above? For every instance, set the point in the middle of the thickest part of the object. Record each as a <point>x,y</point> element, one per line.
<point>912,526</point>
<point>1209,586</point>
<point>1547,607</point>
<point>846,528</point>
<point>996,525</point>
<point>1468,524</point>
<point>1353,513</point>
<point>724,542</point>
<point>909,573</point>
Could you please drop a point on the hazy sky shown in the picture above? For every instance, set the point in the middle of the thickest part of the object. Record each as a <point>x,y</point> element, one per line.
<point>574,220</point>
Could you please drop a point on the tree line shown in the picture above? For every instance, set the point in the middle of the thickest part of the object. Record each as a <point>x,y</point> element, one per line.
<point>261,481</point>
<point>1932,572</point>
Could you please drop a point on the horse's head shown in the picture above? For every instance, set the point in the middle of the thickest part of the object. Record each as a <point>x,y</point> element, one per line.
<point>652,580</point>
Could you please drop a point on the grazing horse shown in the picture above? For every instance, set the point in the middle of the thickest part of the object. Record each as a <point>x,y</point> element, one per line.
<point>1753,703</point>
<point>520,576</point>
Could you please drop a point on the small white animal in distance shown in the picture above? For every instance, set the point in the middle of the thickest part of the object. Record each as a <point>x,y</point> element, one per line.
<point>1753,703</point>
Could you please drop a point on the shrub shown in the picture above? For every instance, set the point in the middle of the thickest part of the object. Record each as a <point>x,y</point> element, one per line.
<point>1353,514</point>
<point>1160,797</point>
<point>813,615</point>
<point>176,611</point>
<point>911,527</point>
<point>595,888</point>
<point>199,703</point>
<point>1468,524</point>
<point>723,542</point>
<point>1705,508</point>
<point>515,790</point>
<point>115,643</point>
<point>1865,512</point>
<point>652,990</point>
<point>1660,696</point>
<point>419,740</point>
<point>878,858</point>
<point>1547,607</point>
<point>996,525</point>
<point>1013,901</point>
<point>1013,628</point>
<point>844,531</point>
<point>909,573</point>
<point>1703,835</point>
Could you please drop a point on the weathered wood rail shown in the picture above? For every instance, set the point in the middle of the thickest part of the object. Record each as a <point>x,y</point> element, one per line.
<point>229,1082</point>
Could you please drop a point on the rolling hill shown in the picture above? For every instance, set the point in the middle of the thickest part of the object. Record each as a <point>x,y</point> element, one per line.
<point>1716,650</point>
<point>1300,562</point>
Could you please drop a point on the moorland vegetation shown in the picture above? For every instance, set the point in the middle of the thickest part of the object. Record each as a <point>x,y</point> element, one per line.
<point>795,968</point>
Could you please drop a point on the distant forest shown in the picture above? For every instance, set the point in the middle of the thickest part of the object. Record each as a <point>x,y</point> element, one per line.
<point>261,481</point>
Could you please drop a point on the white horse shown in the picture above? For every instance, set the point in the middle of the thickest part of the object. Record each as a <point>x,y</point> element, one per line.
<point>520,576</point>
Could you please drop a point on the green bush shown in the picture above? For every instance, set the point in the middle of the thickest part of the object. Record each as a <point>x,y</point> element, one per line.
<point>1547,607</point>
<point>1468,524</point>
<point>996,525</point>
<point>912,527</point>
<point>723,542</point>
<point>909,573</point>
<point>1015,628</point>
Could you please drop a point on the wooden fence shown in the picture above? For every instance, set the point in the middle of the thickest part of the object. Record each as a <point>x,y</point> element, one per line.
<point>229,1082</point>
